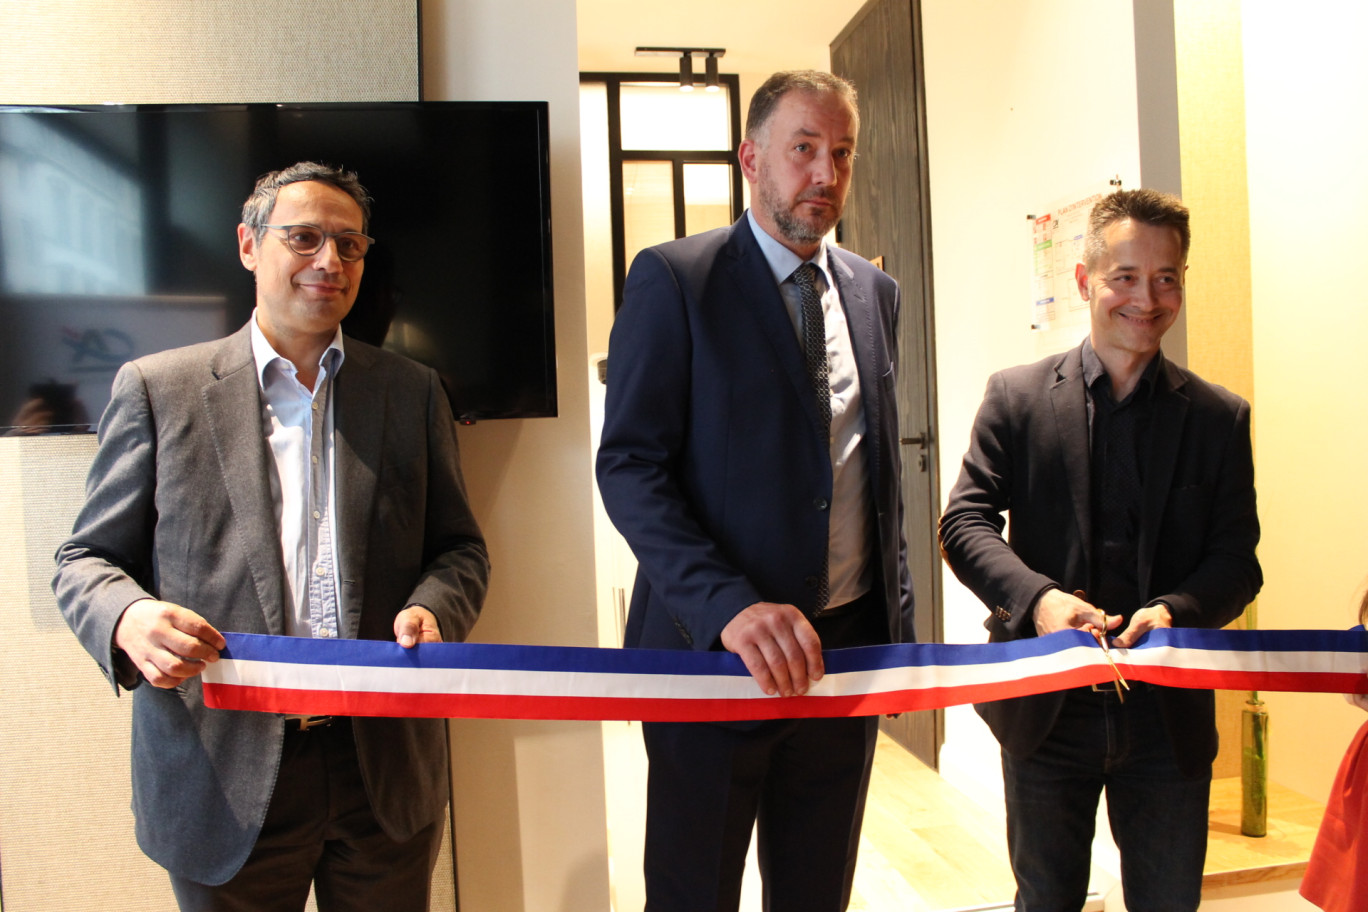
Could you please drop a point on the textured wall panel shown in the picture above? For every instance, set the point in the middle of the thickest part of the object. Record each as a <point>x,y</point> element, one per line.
<point>66,833</point>
<point>65,829</point>
<point>203,51</point>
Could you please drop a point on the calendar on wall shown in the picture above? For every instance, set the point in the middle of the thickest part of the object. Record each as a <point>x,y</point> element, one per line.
<point>1057,237</point>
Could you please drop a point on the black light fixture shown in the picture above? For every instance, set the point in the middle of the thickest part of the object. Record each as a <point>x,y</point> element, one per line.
<point>710,72</point>
<point>686,56</point>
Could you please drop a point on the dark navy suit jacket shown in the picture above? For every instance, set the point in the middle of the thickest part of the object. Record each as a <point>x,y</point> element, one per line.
<point>1029,457</point>
<point>711,464</point>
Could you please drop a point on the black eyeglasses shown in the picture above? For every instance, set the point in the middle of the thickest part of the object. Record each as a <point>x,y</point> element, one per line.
<point>306,240</point>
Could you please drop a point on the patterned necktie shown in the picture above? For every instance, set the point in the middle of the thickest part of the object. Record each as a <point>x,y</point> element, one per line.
<point>814,341</point>
<point>815,356</point>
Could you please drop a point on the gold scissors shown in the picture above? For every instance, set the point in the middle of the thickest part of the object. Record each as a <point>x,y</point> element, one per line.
<point>1106,652</point>
<point>1101,636</point>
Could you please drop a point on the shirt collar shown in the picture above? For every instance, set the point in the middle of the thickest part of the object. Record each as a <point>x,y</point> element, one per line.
<point>783,261</point>
<point>1093,370</point>
<point>264,354</point>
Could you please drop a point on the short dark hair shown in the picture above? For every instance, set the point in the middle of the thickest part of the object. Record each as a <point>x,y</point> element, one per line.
<point>256,212</point>
<point>816,82</point>
<point>1148,207</point>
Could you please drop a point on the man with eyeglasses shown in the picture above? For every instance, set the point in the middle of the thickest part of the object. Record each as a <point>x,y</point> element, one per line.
<point>283,480</point>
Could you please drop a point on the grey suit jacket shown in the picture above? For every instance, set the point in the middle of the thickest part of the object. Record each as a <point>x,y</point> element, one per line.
<point>178,507</point>
<point>1029,458</point>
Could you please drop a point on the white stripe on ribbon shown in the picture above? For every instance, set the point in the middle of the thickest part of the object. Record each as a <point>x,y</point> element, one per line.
<point>524,683</point>
<point>296,675</point>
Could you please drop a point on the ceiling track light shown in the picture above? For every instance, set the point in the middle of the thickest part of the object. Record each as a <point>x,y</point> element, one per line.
<point>686,56</point>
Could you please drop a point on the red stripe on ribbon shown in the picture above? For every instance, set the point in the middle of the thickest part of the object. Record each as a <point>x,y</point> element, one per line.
<point>643,709</point>
<point>1223,679</point>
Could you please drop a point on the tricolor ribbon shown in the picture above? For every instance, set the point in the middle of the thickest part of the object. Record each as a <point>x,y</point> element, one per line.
<point>466,680</point>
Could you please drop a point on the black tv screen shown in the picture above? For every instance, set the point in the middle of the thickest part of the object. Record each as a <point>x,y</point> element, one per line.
<point>118,239</point>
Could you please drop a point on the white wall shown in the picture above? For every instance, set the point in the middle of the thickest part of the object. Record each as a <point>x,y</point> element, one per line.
<point>1306,86</point>
<point>1018,118</point>
<point>1038,107</point>
<point>1023,112</point>
<point>529,796</point>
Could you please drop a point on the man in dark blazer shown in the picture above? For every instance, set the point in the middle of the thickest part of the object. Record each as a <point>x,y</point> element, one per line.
<point>1129,483</point>
<point>761,501</point>
<point>279,481</point>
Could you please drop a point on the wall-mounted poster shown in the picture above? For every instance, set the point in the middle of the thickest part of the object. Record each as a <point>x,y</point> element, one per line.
<point>1056,248</point>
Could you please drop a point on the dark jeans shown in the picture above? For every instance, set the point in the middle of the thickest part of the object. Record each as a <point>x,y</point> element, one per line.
<point>1158,817</point>
<point>320,831</point>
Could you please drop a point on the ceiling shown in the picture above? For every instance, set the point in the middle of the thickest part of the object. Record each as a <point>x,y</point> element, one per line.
<point>761,36</point>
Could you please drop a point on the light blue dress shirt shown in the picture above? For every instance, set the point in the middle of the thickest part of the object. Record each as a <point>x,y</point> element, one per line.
<point>849,569</point>
<point>298,426</point>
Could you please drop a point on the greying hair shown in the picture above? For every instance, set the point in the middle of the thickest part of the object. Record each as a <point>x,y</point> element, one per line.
<point>256,212</point>
<point>1148,207</point>
<point>815,82</point>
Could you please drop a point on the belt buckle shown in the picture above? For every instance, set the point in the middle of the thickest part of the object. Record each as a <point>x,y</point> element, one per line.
<point>314,722</point>
<point>1107,687</point>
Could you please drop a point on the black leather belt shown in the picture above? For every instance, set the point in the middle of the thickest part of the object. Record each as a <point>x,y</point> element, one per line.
<point>862,603</point>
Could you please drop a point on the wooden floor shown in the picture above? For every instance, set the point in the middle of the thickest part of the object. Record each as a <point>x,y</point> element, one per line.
<point>925,846</point>
<point>1280,855</point>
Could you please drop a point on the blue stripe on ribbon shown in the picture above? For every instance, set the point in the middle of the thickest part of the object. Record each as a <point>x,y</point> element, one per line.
<point>381,654</point>
<point>1259,640</point>
<point>679,662</point>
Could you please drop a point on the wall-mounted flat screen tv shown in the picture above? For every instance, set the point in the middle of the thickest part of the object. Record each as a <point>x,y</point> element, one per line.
<point>118,239</point>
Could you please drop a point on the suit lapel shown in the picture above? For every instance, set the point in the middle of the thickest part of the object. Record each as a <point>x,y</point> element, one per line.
<point>1165,440</point>
<point>1069,401</point>
<point>233,405</point>
<point>758,295</point>
<point>359,418</point>
<point>860,323</point>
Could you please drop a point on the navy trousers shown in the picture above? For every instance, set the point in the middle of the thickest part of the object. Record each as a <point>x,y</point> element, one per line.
<point>799,783</point>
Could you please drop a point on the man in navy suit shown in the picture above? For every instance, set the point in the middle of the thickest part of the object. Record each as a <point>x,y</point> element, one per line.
<point>1130,486</point>
<point>749,457</point>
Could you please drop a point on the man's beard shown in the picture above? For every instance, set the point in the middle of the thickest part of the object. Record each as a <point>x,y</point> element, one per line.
<point>793,227</point>
<point>800,231</point>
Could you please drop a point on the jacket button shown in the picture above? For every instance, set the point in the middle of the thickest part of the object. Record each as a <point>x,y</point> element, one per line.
<point>811,582</point>
<point>820,503</point>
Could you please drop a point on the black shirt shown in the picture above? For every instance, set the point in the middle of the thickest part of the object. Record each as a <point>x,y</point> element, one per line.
<point>1119,435</point>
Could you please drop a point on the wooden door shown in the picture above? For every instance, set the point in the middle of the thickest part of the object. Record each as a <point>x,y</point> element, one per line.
<point>888,219</point>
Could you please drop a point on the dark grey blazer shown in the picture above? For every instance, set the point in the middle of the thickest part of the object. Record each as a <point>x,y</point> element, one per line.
<point>1029,458</point>
<point>178,507</point>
